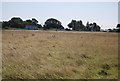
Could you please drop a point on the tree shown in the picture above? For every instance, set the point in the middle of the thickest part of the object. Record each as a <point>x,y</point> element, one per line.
<point>5,25</point>
<point>80,26</point>
<point>16,22</point>
<point>94,27</point>
<point>113,30</point>
<point>53,23</point>
<point>67,29</point>
<point>76,25</point>
<point>118,26</point>
<point>29,22</point>
<point>34,21</point>
<point>72,24</point>
<point>39,26</point>
<point>98,28</point>
<point>87,26</point>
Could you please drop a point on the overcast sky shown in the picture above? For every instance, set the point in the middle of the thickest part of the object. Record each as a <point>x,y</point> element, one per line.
<point>104,14</point>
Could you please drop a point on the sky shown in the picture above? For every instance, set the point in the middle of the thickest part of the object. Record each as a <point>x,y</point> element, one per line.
<point>119,12</point>
<point>104,14</point>
<point>59,0</point>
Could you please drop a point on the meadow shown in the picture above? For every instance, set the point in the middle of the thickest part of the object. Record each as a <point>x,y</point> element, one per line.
<point>41,54</point>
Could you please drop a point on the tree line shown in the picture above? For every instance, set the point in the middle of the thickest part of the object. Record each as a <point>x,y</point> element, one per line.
<point>79,26</point>
<point>17,22</point>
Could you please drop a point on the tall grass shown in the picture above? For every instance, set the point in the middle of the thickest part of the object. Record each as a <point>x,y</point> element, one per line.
<point>60,55</point>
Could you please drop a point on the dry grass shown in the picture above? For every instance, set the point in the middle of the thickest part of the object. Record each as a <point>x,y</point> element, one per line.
<point>59,55</point>
<point>0,55</point>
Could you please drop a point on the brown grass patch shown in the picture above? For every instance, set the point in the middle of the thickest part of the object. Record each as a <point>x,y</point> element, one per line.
<point>59,54</point>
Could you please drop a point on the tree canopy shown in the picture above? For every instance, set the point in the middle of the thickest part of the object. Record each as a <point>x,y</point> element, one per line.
<point>53,23</point>
<point>79,26</point>
<point>17,22</point>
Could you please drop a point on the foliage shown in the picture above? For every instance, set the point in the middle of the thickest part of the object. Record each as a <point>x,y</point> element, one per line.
<point>53,23</point>
<point>17,22</point>
<point>87,26</point>
<point>114,30</point>
<point>34,21</point>
<point>118,26</point>
<point>67,29</point>
<point>78,26</point>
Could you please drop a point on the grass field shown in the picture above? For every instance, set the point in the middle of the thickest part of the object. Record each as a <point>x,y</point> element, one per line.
<point>59,55</point>
<point>0,53</point>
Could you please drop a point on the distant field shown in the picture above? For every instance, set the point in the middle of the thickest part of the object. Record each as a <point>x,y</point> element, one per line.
<point>59,55</point>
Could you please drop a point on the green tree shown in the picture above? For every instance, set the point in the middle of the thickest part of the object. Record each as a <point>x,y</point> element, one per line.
<point>29,22</point>
<point>34,21</point>
<point>72,24</point>
<point>53,24</point>
<point>80,26</point>
<point>118,26</point>
<point>76,25</point>
<point>96,27</point>
<point>16,22</point>
<point>5,25</point>
<point>39,26</point>
<point>87,26</point>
